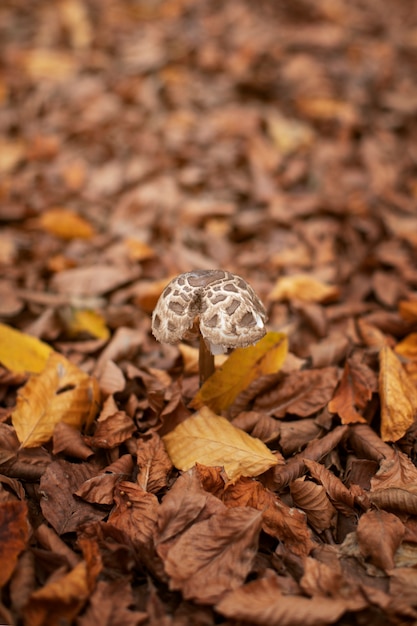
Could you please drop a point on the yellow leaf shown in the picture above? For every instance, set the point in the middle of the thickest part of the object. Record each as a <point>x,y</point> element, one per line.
<point>22,353</point>
<point>305,288</point>
<point>66,224</point>
<point>90,322</point>
<point>242,367</point>
<point>398,397</point>
<point>61,393</point>
<point>211,440</point>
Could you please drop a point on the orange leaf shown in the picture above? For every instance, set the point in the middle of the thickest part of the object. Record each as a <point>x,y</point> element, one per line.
<point>354,392</point>
<point>66,224</point>
<point>211,440</point>
<point>14,534</point>
<point>22,353</point>
<point>398,397</point>
<point>303,287</point>
<point>242,367</point>
<point>61,393</point>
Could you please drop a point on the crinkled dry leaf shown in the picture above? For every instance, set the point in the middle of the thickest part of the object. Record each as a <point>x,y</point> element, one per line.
<point>312,499</point>
<point>58,601</point>
<point>242,367</point>
<point>14,535</point>
<point>340,496</point>
<point>92,281</point>
<point>300,393</point>
<point>60,393</point>
<point>214,555</point>
<point>69,440</point>
<point>100,489</point>
<point>303,287</point>
<point>22,353</point>
<point>65,224</point>
<point>113,426</point>
<point>398,397</point>
<point>110,605</point>
<point>379,535</point>
<point>211,440</point>
<point>261,602</point>
<point>154,464</point>
<point>354,392</point>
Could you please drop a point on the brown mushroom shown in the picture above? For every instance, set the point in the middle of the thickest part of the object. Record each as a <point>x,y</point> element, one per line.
<point>228,313</point>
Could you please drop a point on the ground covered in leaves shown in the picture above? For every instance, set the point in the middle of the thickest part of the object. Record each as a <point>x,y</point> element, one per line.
<point>276,140</point>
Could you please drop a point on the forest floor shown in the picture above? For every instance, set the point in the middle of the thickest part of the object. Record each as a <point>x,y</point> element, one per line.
<point>141,139</point>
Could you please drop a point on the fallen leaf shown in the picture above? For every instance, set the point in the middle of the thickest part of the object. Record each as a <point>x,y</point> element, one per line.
<point>242,367</point>
<point>408,310</point>
<point>60,393</point>
<point>407,347</point>
<point>113,426</point>
<point>209,439</point>
<point>379,535</point>
<point>340,496</point>
<point>312,499</point>
<point>92,281</point>
<point>261,602</point>
<point>85,321</point>
<point>65,224</point>
<point>215,555</point>
<point>100,489</point>
<point>14,535</point>
<point>353,393</point>
<point>58,601</point>
<point>154,464</point>
<point>139,250</point>
<point>22,353</point>
<point>398,397</point>
<point>50,64</point>
<point>303,287</point>
<point>109,605</point>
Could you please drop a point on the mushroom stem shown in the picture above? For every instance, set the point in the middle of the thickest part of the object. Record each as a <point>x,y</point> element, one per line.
<point>205,361</point>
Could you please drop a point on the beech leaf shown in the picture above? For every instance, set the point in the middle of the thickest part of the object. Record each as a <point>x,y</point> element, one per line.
<point>22,353</point>
<point>398,397</point>
<point>242,367</point>
<point>61,393</point>
<point>303,287</point>
<point>66,224</point>
<point>14,534</point>
<point>353,393</point>
<point>211,440</point>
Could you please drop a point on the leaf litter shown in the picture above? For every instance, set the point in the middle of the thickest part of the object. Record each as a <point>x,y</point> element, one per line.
<point>143,140</point>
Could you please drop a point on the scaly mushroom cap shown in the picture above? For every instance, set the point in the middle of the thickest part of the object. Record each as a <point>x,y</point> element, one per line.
<point>229,311</point>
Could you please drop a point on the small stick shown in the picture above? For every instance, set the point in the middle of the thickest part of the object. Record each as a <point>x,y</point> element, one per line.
<point>205,361</point>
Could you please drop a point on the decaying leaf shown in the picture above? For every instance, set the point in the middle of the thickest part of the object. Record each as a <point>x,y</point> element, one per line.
<point>60,393</point>
<point>154,464</point>
<point>242,367</point>
<point>261,602</point>
<point>22,353</point>
<point>214,555</point>
<point>312,499</point>
<point>398,397</point>
<point>14,535</point>
<point>379,535</point>
<point>210,439</point>
<point>353,393</point>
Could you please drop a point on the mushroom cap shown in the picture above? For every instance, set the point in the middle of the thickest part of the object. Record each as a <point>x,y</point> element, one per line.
<point>230,313</point>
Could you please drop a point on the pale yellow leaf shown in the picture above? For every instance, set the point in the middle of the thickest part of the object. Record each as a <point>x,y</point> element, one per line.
<point>303,287</point>
<point>398,397</point>
<point>90,322</point>
<point>22,353</point>
<point>60,393</point>
<point>211,440</point>
<point>65,224</point>
<point>242,367</point>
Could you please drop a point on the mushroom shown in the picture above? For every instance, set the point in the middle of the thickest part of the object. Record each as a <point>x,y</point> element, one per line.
<point>224,308</point>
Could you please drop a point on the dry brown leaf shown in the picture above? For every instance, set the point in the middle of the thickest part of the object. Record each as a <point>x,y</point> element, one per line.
<point>340,496</point>
<point>354,392</point>
<point>58,601</point>
<point>113,426</point>
<point>408,310</point>
<point>211,440</point>
<point>379,535</point>
<point>92,281</point>
<point>303,287</point>
<point>214,555</point>
<point>14,535</point>
<point>68,440</point>
<point>100,489</point>
<point>242,367</point>
<point>261,602</point>
<point>58,485</point>
<point>22,353</point>
<point>300,393</point>
<point>312,499</point>
<point>398,397</point>
<point>154,464</point>
<point>110,604</point>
